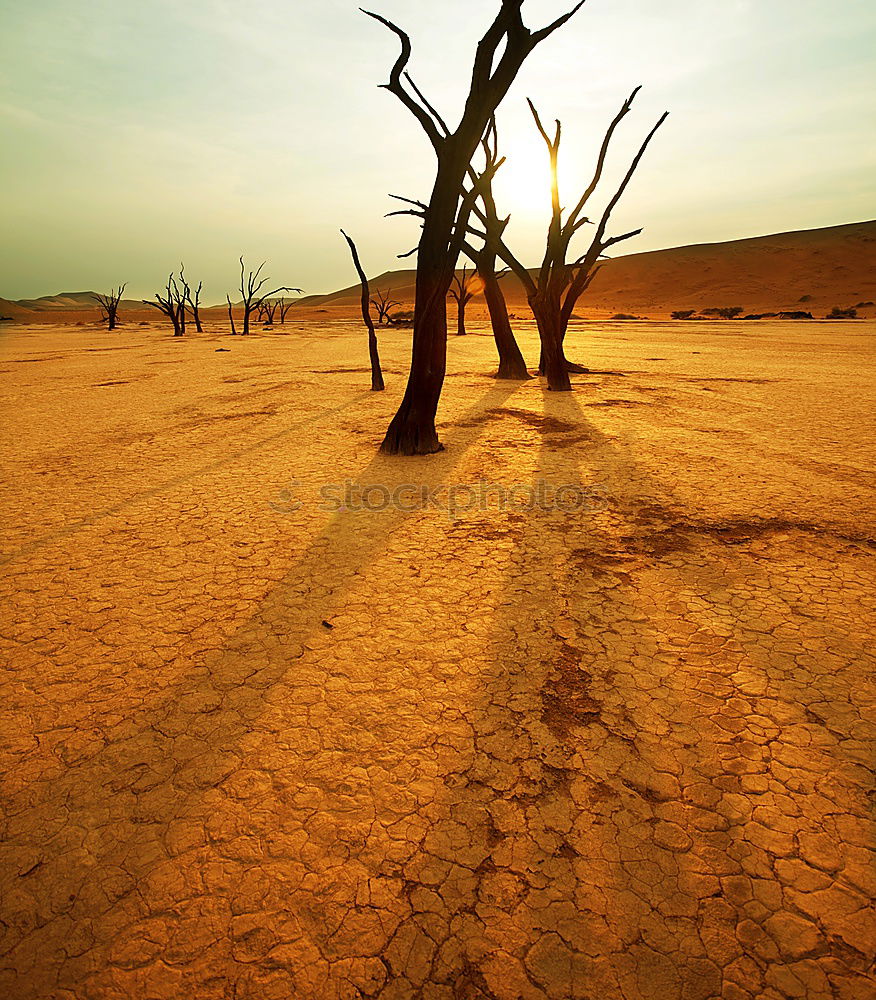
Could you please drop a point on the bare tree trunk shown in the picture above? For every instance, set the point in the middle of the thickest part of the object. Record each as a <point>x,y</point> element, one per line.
<point>512,365</point>
<point>231,316</point>
<point>376,372</point>
<point>556,368</point>
<point>571,366</point>
<point>412,429</point>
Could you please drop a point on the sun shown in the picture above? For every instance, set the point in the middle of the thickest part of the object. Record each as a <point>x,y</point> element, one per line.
<point>522,185</point>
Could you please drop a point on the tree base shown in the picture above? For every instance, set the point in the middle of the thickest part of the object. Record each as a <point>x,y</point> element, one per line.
<point>575,369</point>
<point>410,439</point>
<point>513,375</point>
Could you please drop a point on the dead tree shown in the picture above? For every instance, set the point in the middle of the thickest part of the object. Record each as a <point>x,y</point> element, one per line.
<point>182,294</point>
<point>512,365</point>
<point>557,285</point>
<point>252,296</point>
<point>194,302</point>
<point>376,372</point>
<point>231,315</point>
<point>462,290</point>
<point>109,305</point>
<point>267,310</point>
<point>384,305</point>
<point>500,54</point>
<point>173,303</point>
<point>284,308</point>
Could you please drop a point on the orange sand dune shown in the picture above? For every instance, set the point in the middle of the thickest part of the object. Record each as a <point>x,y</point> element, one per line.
<point>812,270</point>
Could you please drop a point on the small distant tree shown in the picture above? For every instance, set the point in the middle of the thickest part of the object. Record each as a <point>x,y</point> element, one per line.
<point>683,313</point>
<point>109,305</point>
<point>838,313</point>
<point>366,300</point>
<point>252,296</point>
<point>462,291</point>
<point>193,301</point>
<point>231,315</point>
<point>173,302</point>
<point>384,305</point>
<point>267,310</point>
<point>284,308</point>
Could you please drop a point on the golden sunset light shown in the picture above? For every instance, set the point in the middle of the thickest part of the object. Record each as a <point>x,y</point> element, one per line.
<point>438,500</point>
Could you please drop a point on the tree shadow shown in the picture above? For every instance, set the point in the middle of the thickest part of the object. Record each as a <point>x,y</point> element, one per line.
<point>515,766</point>
<point>627,821</point>
<point>130,864</point>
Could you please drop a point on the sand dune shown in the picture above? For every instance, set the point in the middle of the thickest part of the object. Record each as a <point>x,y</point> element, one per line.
<point>812,270</point>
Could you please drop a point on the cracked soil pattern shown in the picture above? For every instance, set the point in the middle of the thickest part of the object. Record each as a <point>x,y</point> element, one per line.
<point>250,748</point>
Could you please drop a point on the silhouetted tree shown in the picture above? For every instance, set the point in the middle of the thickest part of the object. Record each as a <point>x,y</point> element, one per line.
<point>683,313</point>
<point>231,315</point>
<point>384,305</point>
<point>557,285</point>
<point>462,291</point>
<point>512,365</point>
<point>500,53</point>
<point>109,305</point>
<point>376,372</point>
<point>194,302</point>
<point>284,308</point>
<point>267,310</point>
<point>252,296</point>
<point>173,302</point>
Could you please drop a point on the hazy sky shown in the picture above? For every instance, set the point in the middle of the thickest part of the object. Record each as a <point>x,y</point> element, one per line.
<point>136,133</point>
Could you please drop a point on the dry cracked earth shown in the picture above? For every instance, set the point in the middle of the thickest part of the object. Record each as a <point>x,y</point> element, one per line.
<point>614,744</point>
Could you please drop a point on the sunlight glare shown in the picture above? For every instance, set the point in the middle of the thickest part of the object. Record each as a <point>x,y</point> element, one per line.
<point>522,185</point>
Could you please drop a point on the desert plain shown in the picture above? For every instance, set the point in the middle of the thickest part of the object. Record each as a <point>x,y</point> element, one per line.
<point>605,735</point>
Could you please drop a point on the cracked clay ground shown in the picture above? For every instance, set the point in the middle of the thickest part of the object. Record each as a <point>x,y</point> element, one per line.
<point>623,753</point>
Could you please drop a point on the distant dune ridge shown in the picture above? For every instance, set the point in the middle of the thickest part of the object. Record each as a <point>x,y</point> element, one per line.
<point>811,270</point>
